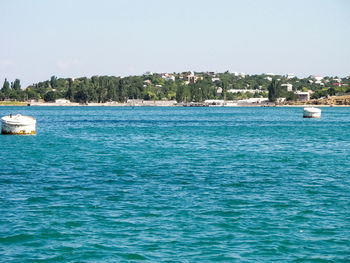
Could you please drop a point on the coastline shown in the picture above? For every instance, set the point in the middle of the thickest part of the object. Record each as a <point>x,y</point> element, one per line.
<point>156,104</point>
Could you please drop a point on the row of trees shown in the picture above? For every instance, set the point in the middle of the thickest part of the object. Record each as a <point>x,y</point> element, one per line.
<point>154,87</point>
<point>12,90</point>
<point>109,88</point>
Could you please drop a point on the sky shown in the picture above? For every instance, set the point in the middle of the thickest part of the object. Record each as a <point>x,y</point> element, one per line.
<point>66,38</point>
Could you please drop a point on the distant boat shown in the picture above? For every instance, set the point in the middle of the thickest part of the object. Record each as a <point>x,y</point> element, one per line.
<point>18,124</point>
<point>311,112</point>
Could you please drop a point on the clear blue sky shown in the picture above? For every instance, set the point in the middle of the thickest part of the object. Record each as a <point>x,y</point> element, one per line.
<point>74,38</point>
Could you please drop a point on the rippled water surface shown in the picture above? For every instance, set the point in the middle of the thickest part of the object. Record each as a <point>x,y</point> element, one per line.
<point>110,184</point>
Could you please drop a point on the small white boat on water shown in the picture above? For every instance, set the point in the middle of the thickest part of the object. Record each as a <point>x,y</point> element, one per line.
<point>18,124</point>
<point>311,112</point>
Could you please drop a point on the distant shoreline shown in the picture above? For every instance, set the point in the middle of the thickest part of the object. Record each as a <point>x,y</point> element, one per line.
<point>154,104</point>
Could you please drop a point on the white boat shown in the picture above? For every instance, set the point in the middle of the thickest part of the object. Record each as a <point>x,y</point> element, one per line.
<point>18,124</point>
<point>312,113</point>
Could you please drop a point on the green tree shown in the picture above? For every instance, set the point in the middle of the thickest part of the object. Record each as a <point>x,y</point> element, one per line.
<point>273,89</point>
<point>30,94</point>
<point>50,96</point>
<point>70,91</point>
<point>331,91</point>
<point>53,82</point>
<point>5,87</point>
<point>17,84</point>
<point>290,95</point>
<point>180,94</point>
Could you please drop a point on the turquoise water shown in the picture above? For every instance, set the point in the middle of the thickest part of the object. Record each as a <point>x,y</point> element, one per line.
<point>112,184</point>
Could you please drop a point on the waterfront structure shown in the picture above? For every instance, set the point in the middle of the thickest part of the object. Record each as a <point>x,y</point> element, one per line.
<point>312,113</point>
<point>18,124</point>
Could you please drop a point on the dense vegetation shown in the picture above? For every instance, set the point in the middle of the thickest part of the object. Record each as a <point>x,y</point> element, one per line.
<point>181,88</point>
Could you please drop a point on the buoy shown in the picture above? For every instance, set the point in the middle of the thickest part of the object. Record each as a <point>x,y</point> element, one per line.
<point>18,124</point>
<point>312,113</point>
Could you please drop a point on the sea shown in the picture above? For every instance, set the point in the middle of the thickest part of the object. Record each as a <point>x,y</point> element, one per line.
<point>177,184</point>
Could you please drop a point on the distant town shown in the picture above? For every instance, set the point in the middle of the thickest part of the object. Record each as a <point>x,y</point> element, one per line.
<point>181,89</point>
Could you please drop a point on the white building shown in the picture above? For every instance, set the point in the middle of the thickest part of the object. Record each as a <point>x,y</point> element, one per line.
<point>290,76</point>
<point>316,77</point>
<point>288,86</point>
<point>62,101</point>
<point>167,76</point>
<point>239,74</point>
